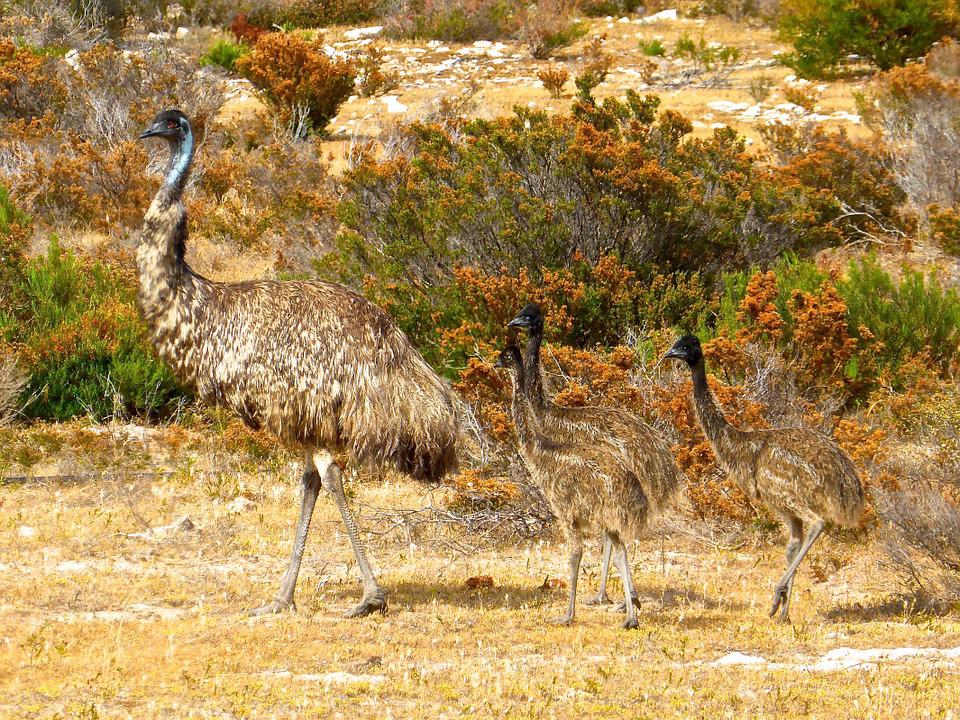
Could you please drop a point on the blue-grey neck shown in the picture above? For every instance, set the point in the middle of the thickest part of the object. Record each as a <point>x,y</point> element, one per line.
<point>181,155</point>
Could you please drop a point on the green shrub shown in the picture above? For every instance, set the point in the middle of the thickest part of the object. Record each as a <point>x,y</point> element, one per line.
<point>886,33</point>
<point>14,231</point>
<point>602,8</point>
<point>452,20</point>
<point>224,54</point>
<point>313,13</point>
<point>83,345</point>
<point>653,48</point>
<point>903,318</point>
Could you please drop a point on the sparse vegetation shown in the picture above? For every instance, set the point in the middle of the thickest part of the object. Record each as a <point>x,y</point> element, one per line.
<point>885,33</point>
<point>810,261</point>
<point>224,54</point>
<point>553,79</point>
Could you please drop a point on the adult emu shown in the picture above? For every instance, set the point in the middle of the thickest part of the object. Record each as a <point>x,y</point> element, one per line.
<point>588,486</point>
<point>803,476</point>
<point>312,362</point>
<point>640,446</point>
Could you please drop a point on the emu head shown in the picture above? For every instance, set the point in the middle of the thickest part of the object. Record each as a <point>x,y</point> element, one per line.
<point>170,124</point>
<point>530,318</point>
<point>687,349</point>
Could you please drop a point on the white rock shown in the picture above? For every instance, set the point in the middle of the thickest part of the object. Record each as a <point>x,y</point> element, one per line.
<point>727,106</point>
<point>393,105</point>
<point>739,658</point>
<point>358,33</point>
<point>849,117</point>
<point>68,566</point>
<point>25,531</point>
<point>662,15</point>
<point>182,32</point>
<point>240,504</point>
<point>483,44</point>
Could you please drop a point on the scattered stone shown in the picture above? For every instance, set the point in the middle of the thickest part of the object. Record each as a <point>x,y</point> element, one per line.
<point>660,16</point>
<point>739,658</point>
<point>393,105</point>
<point>239,504</point>
<point>25,531</point>
<point>363,32</point>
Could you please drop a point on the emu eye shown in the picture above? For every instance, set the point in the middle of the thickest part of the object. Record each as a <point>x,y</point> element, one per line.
<point>171,124</point>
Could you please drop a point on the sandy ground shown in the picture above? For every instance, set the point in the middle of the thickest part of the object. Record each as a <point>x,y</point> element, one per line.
<point>114,606</point>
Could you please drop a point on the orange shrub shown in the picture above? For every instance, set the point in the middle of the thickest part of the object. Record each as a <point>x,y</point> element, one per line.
<point>296,74</point>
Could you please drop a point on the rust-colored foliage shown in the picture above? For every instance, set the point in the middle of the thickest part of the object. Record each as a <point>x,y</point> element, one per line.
<point>820,334</point>
<point>553,79</point>
<point>474,490</point>
<point>29,85</point>
<point>296,73</point>
<point>244,31</point>
<point>758,311</point>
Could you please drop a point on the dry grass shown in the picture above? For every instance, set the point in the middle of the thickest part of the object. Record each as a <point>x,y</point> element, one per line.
<point>102,618</point>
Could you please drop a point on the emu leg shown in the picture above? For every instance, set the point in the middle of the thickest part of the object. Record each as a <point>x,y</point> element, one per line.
<point>793,547</point>
<point>576,554</point>
<point>623,566</point>
<point>601,598</point>
<point>284,599</point>
<point>373,599</point>
<point>781,593</point>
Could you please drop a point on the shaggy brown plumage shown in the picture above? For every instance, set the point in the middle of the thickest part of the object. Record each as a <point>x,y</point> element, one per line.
<point>589,488</point>
<point>644,450</point>
<point>313,362</point>
<point>800,474</point>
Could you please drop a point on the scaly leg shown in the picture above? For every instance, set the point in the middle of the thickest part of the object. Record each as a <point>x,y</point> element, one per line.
<point>373,599</point>
<point>793,547</point>
<point>623,566</point>
<point>601,598</point>
<point>311,488</point>
<point>576,553</point>
<point>781,593</point>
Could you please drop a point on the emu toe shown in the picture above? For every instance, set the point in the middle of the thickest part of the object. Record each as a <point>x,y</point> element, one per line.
<point>369,605</point>
<point>630,624</point>
<point>780,598</point>
<point>598,599</point>
<point>274,607</point>
<point>564,620</point>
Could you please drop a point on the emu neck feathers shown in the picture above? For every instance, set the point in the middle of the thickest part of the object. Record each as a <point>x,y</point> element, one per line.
<point>727,441</point>
<point>531,370</point>
<point>170,294</point>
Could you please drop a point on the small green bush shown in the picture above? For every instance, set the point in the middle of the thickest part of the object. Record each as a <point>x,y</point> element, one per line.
<point>14,229</point>
<point>886,33</point>
<point>903,318</point>
<point>224,54</point>
<point>653,48</point>
<point>83,345</point>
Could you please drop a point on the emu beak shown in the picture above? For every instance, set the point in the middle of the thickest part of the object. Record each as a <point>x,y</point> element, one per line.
<point>519,322</point>
<point>674,353</point>
<point>151,131</point>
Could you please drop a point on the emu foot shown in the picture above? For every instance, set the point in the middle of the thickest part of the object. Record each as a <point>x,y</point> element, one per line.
<point>274,607</point>
<point>781,602</point>
<point>631,623</point>
<point>600,598</point>
<point>369,605</point>
<point>622,605</point>
<point>563,621</point>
